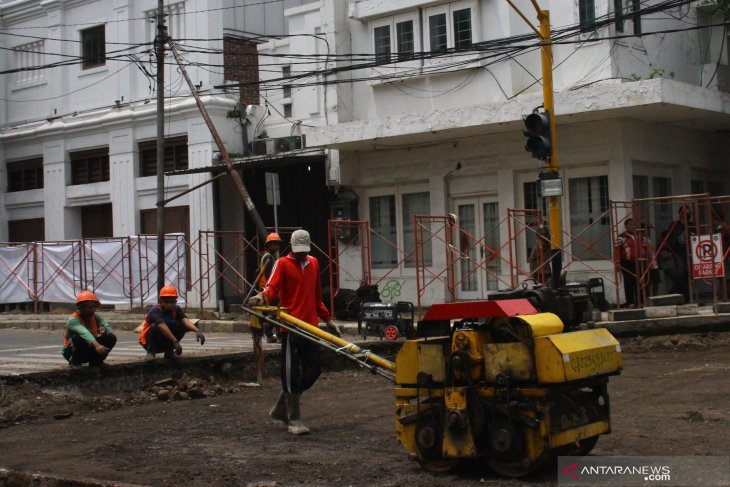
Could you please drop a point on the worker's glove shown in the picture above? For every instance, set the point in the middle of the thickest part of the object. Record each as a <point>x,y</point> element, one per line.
<point>199,336</point>
<point>334,328</point>
<point>257,300</point>
<point>177,347</point>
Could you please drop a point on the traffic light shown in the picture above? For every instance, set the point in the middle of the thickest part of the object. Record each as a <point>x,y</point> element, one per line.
<point>537,131</point>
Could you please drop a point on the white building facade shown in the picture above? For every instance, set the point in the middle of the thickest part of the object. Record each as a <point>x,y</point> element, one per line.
<point>78,114</point>
<point>434,125</point>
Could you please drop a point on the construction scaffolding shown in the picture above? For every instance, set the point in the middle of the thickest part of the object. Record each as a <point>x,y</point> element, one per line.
<point>118,270</point>
<point>666,255</point>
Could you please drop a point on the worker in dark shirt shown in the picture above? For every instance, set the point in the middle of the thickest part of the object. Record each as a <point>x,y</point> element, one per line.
<point>165,325</point>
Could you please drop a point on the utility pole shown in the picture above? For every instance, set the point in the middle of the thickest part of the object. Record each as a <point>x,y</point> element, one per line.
<point>237,181</point>
<point>160,51</point>
<point>546,52</point>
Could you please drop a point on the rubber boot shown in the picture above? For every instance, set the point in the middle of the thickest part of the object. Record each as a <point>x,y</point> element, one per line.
<point>278,412</point>
<point>296,427</point>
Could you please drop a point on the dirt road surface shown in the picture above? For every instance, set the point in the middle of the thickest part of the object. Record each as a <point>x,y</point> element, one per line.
<point>672,399</point>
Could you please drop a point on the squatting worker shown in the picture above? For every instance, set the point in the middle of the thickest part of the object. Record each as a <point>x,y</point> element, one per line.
<point>88,337</point>
<point>295,281</point>
<point>164,326</point>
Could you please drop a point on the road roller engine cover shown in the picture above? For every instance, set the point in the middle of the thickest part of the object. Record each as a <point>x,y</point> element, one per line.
<point>499,381</point>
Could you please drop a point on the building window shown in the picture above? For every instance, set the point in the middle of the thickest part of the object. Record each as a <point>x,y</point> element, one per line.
<point>30,230</point>
<point>462,28</point>
<point>27,56</point>
<point>286,88</point>
<point>697,186</point>
<point>96,221</point>
<point>618,12</point>
<point>438,38</point>
<point>636,17</point>
<point>716,188</point>
<point>663,214</point>
<point>176,155</point>
<point>404,34</point>
<point>587,14</point>
<point>381,36</point>
<point>93,47</point>
<point>415,204</point>
<point>641,186</point>
<point>287,110</point>
<point>468,251</point>
<point>90,166</point>
<point>25,175</point>
<point>383,240</point>
<point>177,220</point>
<point>589,218</point>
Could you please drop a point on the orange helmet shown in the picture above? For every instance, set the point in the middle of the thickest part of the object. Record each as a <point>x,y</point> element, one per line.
<point>168,292</point>
<point>86,296</point>
<point>273,237</point>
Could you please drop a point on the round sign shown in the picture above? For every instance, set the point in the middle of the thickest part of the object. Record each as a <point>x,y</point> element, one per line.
<point>706,250</point>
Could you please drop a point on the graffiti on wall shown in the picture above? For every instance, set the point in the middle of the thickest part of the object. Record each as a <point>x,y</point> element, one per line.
<point>391,290</point>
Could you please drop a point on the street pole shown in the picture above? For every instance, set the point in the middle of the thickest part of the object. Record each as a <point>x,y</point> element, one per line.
<point>546,55</point>
<point>546,48</point>
<point>237,181</point>
<point>160,51</point>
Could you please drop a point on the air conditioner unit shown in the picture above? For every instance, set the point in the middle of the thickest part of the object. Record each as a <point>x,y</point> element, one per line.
<point>260,147</point>
<point>286,144</point>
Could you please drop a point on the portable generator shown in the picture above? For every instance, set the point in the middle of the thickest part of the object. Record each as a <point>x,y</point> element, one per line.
<point>389,320</point>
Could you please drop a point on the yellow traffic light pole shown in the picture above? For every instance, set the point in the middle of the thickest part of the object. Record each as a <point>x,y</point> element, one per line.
<point>546,49</point>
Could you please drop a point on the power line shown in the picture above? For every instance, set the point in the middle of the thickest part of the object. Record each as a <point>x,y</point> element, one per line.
<point>148,17</point>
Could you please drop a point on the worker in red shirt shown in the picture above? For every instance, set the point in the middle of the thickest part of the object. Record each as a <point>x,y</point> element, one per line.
<point>295,281</point>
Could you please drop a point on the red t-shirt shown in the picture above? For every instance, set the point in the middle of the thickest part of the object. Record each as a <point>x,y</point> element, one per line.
<point>298,288</point>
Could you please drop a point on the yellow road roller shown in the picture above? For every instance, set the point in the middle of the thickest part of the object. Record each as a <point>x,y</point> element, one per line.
<point>499,381</point>
<point>495,381</point>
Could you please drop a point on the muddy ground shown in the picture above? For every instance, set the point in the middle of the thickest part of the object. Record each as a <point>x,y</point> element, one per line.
<point>672,399</point>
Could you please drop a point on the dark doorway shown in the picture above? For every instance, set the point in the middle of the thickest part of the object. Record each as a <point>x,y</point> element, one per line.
<point>96,221</point>
<point>31,230</point>
<point>304,199</point>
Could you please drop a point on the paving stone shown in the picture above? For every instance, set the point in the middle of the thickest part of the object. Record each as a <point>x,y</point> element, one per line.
<point>688,309</point>
<point>661,311</point>
<point>666,300</point>
<point>626,314</point>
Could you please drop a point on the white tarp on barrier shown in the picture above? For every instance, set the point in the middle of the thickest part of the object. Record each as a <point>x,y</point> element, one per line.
<point>114,269</point>
<point>107,270</point>
<point>16,272</point>
<point>59,273</point>
<point>144,266</point>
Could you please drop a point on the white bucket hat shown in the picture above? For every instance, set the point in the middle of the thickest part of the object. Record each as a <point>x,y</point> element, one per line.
<point>300,241</point>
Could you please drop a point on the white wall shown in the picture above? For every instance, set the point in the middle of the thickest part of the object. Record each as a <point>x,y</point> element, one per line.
<point>497,166</point>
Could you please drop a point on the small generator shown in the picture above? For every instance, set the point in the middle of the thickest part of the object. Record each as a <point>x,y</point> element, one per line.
<point>389,320</point>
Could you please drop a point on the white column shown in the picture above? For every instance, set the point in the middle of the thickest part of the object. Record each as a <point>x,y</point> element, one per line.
<point>57,84</point>
<point>61,223</point>
<point>201,202</point>
<point>123,157</point>
<point>3,189</point>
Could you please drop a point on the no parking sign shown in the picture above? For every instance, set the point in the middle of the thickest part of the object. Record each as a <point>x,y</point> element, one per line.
<point>707,256</point>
